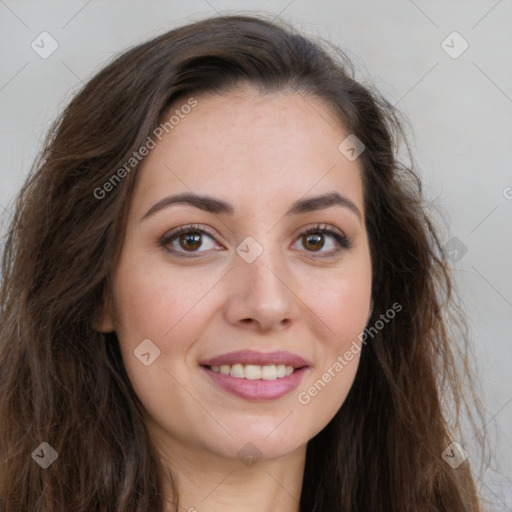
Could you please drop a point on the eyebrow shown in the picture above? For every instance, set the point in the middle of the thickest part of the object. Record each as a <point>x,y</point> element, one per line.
<point>218,206</point>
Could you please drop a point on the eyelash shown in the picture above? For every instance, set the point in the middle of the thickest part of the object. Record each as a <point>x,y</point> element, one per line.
<point>344,242</point>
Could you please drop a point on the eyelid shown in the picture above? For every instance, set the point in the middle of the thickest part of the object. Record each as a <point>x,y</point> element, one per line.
<point>319,227</point>
<point>201,228</point>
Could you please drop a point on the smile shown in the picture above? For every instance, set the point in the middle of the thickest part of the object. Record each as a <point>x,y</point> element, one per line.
<point>253,372</point>
<point>256,376</point>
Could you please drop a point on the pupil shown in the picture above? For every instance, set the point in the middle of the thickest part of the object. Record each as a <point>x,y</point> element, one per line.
<point>190,241</point>
<point>316,241</point>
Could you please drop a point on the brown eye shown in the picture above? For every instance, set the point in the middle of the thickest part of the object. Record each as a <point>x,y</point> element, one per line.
<point>190,241</point>
<point>323,241</point>
<point>313,241</point>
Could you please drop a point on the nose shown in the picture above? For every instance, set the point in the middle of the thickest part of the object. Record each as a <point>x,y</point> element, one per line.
<point>262,295</point>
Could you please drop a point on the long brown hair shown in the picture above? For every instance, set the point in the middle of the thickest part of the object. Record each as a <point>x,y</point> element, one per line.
<point>63,382</point>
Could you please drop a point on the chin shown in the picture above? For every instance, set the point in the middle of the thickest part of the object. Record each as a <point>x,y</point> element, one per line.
<point>266,437</point>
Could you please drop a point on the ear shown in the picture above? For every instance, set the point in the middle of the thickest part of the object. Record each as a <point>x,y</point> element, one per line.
<point>104,321</point>
<point>370,311</point>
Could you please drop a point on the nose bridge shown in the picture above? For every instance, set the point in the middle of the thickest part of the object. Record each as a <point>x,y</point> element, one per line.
<point>260,262</point>
<point>262,291</point>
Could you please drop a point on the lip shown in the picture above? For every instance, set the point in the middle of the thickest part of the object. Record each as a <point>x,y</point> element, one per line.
<point>258,389</point>
<point>257,358</point>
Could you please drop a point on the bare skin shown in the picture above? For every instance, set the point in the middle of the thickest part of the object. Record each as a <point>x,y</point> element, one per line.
<point>300,295</point>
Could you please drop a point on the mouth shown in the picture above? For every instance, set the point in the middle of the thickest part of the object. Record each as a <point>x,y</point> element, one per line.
<point>254,372</point>
<point>256,376</point>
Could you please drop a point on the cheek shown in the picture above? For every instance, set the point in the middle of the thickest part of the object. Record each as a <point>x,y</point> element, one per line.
<point>152,302</point>
<point>347,308</point>
<point>170,309</point>
<point>164,308</point>
<point>343,306</point>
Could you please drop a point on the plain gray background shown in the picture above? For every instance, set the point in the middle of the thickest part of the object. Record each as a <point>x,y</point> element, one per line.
<point>459,106</point>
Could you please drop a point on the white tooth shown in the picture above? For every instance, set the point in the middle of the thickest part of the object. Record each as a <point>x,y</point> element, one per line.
<point>225,369</point>
<point>237,370</point>
<point>252,372</point>
<point>281,371</point>
<point>269,372</point>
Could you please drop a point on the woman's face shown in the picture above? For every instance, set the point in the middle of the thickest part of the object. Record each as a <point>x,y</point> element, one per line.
<point>232,331</point>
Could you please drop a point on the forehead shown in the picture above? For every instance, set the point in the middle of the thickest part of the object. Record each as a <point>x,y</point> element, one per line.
<point>250,148</point>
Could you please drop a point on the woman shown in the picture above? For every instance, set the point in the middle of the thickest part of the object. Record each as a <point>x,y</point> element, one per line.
<point>221,291</point>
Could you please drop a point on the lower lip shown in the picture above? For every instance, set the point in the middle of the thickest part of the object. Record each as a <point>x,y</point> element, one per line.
<point>257,389</point>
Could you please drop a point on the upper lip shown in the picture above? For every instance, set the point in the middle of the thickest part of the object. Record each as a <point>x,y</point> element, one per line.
<point>257,358</point>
